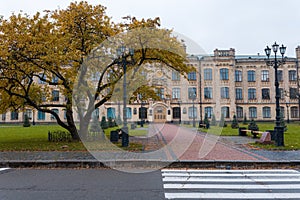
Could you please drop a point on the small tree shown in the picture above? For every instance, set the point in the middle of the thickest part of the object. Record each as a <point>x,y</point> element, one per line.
<point>234,123</point>
<point>222,121</point>
<point>213,120</point>
<point>103,123</point>
<point>253,126</point>
<point>245,119</point>
<point>26,121</point>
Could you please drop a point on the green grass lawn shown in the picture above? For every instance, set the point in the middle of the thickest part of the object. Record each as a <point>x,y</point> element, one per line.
<point>291,136</point>
<point>35,138</point>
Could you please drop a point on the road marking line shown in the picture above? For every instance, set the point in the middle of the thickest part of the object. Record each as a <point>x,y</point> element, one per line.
<point>227,180</point>
<point>3,169</point>
<point>232,186</point>
<point>232,195</point>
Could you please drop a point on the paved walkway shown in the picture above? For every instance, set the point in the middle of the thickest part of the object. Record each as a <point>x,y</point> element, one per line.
<point>168,142</point>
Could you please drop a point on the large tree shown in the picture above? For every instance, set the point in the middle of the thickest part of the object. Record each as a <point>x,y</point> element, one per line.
<point>60,50</point>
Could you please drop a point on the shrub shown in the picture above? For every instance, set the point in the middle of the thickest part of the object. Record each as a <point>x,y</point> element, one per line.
<point>245,119</point>
<point>26,121</point>
<point>206,121</point>
<point>213,120</point>
<point>103,123</point>
<point>234,123</point>
<point>222,121</point>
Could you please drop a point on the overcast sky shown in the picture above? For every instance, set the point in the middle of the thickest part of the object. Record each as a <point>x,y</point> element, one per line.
<point>246,25</point>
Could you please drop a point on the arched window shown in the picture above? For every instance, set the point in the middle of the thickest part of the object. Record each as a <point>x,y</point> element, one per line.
<point>208,111</point>
<point>266,112</point>
<point>252,112</point>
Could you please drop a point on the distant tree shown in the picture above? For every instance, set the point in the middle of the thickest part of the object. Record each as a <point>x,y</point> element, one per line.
<point>26,121</point>
<point>253,126</point>
<point>213,120</point>
<point>235,123</point>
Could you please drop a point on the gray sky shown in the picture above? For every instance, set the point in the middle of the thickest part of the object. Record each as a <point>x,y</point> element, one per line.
<point>246,25</point>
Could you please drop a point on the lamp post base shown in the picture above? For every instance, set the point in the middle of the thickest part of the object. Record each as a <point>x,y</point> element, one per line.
<point>279,131</point>
<point>125,137</point>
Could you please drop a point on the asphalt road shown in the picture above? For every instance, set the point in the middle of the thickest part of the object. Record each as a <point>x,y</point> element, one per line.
<point>83,184</point>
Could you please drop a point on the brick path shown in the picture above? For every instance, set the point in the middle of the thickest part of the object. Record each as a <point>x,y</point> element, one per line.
<point>187,144</point>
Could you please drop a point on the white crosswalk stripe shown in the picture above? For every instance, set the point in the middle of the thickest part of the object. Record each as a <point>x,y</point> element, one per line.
<point>231,184</point>
<point>3,169</point>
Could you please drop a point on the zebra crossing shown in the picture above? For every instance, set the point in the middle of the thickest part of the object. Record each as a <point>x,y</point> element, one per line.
<point>231,184</point>
<point>3,169</point>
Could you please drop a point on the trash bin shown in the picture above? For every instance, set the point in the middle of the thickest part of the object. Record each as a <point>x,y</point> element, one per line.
<point>114,136</point>
<point>273,134</point>
<point>242,133</point>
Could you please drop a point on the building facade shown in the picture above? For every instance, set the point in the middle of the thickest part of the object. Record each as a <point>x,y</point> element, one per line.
<point>222,83</point>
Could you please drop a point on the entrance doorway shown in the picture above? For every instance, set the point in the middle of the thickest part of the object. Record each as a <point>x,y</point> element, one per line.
<point>160,114</point>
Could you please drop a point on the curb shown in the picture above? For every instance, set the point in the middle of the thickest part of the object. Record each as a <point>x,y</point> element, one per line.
<point>218,164</point>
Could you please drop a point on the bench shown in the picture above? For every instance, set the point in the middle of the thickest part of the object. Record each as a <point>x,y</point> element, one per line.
<point>254,133</point>
<point>202,125</point>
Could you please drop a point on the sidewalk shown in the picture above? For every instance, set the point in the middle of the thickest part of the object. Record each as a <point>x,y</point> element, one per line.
<point>175,145</point>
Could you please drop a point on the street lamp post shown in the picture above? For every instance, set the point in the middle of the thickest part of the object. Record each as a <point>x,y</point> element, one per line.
<point>279,130</point>
<point>122,53</point>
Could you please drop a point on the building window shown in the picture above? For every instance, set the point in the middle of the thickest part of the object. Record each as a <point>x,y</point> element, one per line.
<point>41,115</point>
<point>293,93</point>
<point>207,93</point>
<point>225,111</point>
<point>192,112</point>
<point>54,79</point>
<point>238,76</point>
<point>176,93</point>
<point>56,111</point>
<point>251,94</point>
<point>55,95</point>
<point>160,92</point>
<point>42,78</point>
<point>265,93</point>
<point>207,74</point>
<point>142,113</point>
<point>176,113</point>
<point>292,75</point>
<point>3,116</point>
<point>175,76</point>
<point>265,75</point>
<point>251,76</point>
<point>28,112</point>
<point>192,92</point>
<point>294,112</point>
<point>280,75</point>
<point>224,92</point>
<point>95,113</point>
<point>281,92</point>
<point>129,113</point>
<point>14,115</point>
<point>111,113</point>
<point>252,112</point>
<point>239,112</point>
<point>266,112</point>
<point>238,93</point>
<point>192,76</point>
<point>208,111</point>
<point>224,74</point>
